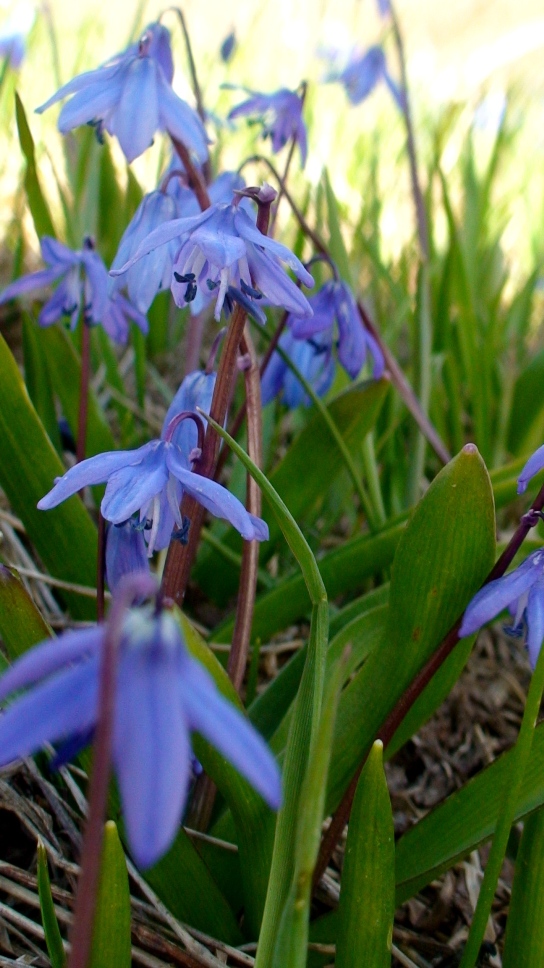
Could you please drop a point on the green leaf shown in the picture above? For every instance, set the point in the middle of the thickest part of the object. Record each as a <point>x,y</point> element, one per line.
<point>65,538</point>
<point>38,382</point>
<point>290,948</point>
<point>53,939</point>
<point>111,931</point>
<point>65,371</point>
<point>21,623</point>
<point>367,897</point>
<point>524,940</point>
<point>442,559</point>
<point>37,204</point>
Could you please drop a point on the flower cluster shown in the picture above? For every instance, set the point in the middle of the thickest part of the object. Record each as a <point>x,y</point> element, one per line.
<point>131,97</point>
<point>161,696</point>
<point>82,286</point>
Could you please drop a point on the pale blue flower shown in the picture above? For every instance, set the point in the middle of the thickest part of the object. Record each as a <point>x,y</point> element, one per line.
<point>131,97</point>
<point>335,302</point>
<point>363,72</point>
<point>154,273</point>
<point>150,482</point>
<point>533,466</point>
<point>162,696</point>
<point>522,592</point>
<point>83,286</point>
<point>221,251</point>
<point>313,359</point>
<point>126,552</point>
<point>14,32</point>
<point>280,114</point>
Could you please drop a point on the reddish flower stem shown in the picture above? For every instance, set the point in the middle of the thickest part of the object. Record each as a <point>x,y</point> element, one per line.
<point>196,181</point>
<point>292,147</point>
<point>83,391</point>
<point>416,687</point>
<point>85,902</point>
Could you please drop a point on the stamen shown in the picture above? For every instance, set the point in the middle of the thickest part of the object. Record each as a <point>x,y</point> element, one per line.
<point>249,290</point>
<point>188,277</point>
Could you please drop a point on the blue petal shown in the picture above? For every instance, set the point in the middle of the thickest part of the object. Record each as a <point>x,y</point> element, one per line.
<point>94,470</point>
<point>177,228</point>
<point>57,254</point>
<point>351,342</point>
<point>151,751</point>
<point>136,116</point>
<point>272,379</point>
<point>532,467</point>
<point>215,498</point>
<point>221,248</point>
<point>126,553</point>
<point>494,597</point>
<point>62,705</point>
<point>195,391</point>
<point>65,301</point>
<point>275,284</point>
<point>535,621</point>
<point>131,488</point>
<point>249,231</point>
<point>222,725</point>
<point>101,75</point>
<point>35,280</point>
<point>181,122</point>
<point>92,104</point>
<point>48,657</point>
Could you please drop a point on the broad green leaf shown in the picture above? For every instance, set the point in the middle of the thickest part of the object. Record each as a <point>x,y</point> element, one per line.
<point>524,940</point>
<point>111,931</point>
<point>442,559</point>
<point>367,896</point>
<point>65,369</point>
<point>37,204</point>
<point>290,948</point>
<point>65,538</point>
<point>311,464</point>
<point>53,939</point>
<point>465,820</point>
<point>21,623</point>
<point>38,381</point>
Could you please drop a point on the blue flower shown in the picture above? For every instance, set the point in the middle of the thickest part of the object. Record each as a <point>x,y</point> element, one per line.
<point>522,592</point>
<point>131,97</point>
<point>222,251</point>
<point>281,116</point>
<point>126,552</point>
<point>362,74</point>
<point>162,695</point>
<point>312,357</point>
<point>532,467</point>
<point>145,280</point>
<point>335,302</point>
<point>83,284</point>
<point>149,482</point>
<point>14,32</point>
<point>228,47</point>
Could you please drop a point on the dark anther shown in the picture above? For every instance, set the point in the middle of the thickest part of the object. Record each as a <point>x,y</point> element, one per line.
<point>249,291</point>
<point>68,310</point>
<point>211,285</point>
<point>182,534</point>
<point>190,292</point>
<point>188,277</point>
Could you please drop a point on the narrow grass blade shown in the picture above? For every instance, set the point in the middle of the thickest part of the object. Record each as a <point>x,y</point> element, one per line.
<point>111,933</point>
<point>53,939</point>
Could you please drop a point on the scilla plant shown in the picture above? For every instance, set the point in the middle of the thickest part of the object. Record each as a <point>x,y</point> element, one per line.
<point>254,812</point>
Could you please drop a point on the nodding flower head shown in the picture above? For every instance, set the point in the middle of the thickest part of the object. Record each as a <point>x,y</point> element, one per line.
<point>363,72</point>
<point>162,695</point>
<point>313,358</point>
<point>222,252</point>
<point>149,482</point>
<point>82,286</point>
<point>131,97</point>
<point>280,114</point>
<point>522,593</point>
<point>335,303</point>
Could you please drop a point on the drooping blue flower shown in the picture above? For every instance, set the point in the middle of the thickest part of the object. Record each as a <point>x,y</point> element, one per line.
<point>312,357</point>
<point>131,97</point>
<point>533,466</point>
<point>150,481</point>
<point>228,47</point>
<point>362,74</point>
<point>154,272</point>
<point>126,552</point>
<point>14,32</point>
<point>195,393</point>
<point>522,592</point>
<point>83,285</point>
<point>162,695</point>
<point>335,303</point>
<point>280,114</point>
<point>221,251</point>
